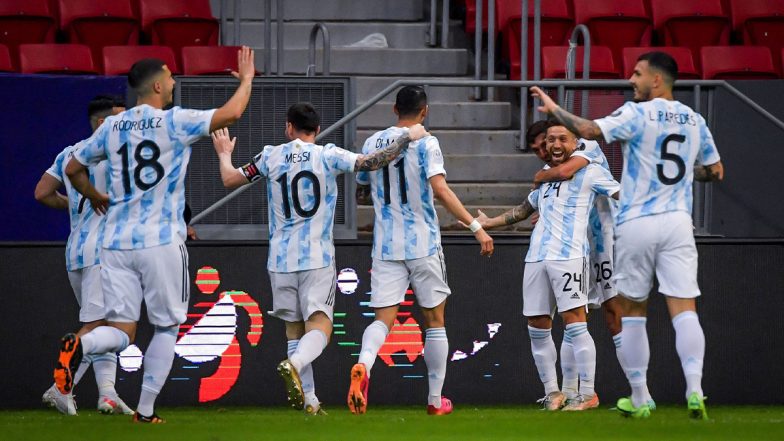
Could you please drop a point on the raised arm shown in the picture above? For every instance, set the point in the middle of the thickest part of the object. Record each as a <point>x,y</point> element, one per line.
<point>383,157</point>
<point>230,112</point>
<point>80,179</point>
<point>561,172</point>
<point>449,200</point>
<point>709,173</point>
<point>47,194</point>
<point>224,146</point>
<point>584,128</point>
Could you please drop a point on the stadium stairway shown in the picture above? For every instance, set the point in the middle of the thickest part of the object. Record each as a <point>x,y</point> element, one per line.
<point>479,139</point>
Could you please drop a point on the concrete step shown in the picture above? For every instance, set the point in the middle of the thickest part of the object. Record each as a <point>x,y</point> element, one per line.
<point>465,142</point>
<point>366,216</point>
<point>296,35</point>
<point>369,87</point>
<point>366,61</point>
<point>478,115</point>
<point>491,193</point>
<point>327,10</point>
<point>491,168</point>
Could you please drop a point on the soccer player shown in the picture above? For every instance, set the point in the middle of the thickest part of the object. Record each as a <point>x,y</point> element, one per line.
<point>555,271</point>
<point>662,139</point>
<point>302,192</point>
<point>407,247</point>
<point>601,290</point>
<point>82,258</point>
<point>144,257</point>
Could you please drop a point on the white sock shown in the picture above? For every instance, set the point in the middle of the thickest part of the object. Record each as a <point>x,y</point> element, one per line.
<point>690,344</point>
<point>105,367</point>
<point>617,339</point>
<point>306,374</point>
<point>568,369</point>
<point>636,353</point>
<point>374,337</point>
<point>80,371</point>
<point>157,364</point>
<point>310,346</point>
<point>545,355</point>
<point>436,352</point>
<point>584,356</point>
<point>104,339</point>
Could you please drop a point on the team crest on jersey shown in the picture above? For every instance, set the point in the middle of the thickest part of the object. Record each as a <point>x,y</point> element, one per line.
<point>348,281</point>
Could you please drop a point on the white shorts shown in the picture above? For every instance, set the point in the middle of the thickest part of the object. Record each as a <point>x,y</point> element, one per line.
<point>601,288</point>
<point>390,279</point>
<point>662,244</point>
<point>157,275</point>
<point>554,283</point>
<point>86,284</point>
<point>298,295</point>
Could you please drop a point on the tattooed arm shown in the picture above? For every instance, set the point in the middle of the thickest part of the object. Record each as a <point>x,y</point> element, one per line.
<point>583,128</point>
<point>513,216</point>
<point>709,173</point>
<point>363,195</point>
<point>382,157</point>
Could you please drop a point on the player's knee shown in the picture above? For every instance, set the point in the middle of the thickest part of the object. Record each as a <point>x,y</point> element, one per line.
<point>540,322</point>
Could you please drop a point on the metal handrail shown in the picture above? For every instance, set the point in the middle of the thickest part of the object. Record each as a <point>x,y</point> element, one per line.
<point>571,66</point>
<point>478,48</point>
<point>267,37</point>
<point>279,69</point>
<point>326,47</point>
<point>444,23</point>
<point>590,84</point>
<point>490,47</point>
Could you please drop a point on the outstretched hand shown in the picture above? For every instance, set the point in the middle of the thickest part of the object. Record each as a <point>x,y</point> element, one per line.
<point>222,142</point>
<point>246,67</point>
<point>548,105</point>
<point>100,203</point>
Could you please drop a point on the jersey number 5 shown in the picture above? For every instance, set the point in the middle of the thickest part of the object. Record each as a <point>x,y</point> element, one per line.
<point>667,156</point>
<point>144,148</point>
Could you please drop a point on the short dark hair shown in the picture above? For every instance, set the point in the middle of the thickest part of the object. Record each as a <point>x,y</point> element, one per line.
<point>535,130</point>
<point>410,100</point>
<point>101,105</point>
<point>662,62</point>
<point>143,71</point>
<point>303,117</point>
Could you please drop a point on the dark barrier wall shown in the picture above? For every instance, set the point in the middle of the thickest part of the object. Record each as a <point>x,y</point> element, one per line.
<point>41,115</point>
<point>489,350</point>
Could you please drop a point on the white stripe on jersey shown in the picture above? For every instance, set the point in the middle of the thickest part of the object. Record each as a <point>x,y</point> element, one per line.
<point>601,221</point>
<point>84,241</point>
<point>302,192</point>
<point>406,225</point>
<point>561,233</point>
<point>148,151</point>
<point>662,140</point>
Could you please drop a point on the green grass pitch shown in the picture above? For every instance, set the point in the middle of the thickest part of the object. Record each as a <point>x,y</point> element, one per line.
<point>399,424</point>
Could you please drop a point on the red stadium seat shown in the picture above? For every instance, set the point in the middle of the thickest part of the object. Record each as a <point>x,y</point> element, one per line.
<point>602,65</point>
<point>556,24</point>
<point>179,23</point>
<point>682,56</point>
<point>737,63</point>
<point>691,23</point>
<point>615,23</point>
<point>117,60</point>
<point>760,23</point>
<point>56,58</point>
<point>5,60</point>
<point>99,23</point>
<point>25,21</point>
<point>209,60</point>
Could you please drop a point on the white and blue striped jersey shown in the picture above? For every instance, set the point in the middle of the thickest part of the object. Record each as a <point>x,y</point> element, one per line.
<point>148,150</point>
<point>84,241</point>
<point>561,233</point>
<point>302,191</point>
<point>601,220</point>
<point>406,225</point>
<point>662,140</point>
